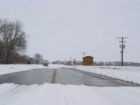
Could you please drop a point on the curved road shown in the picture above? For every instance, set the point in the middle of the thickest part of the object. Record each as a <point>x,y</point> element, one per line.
<point>60,76</point>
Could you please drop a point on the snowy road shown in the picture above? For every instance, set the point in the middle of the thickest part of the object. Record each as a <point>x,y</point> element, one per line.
<point>101,90</point>
<point>60,76</point>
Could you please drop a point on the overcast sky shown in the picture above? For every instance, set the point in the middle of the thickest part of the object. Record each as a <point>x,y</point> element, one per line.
<point>62,30</point>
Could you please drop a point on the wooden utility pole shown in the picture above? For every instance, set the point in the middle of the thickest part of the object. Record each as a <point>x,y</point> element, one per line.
<point>122,46</point>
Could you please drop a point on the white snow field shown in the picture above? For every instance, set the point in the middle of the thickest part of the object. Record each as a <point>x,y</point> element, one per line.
<point>131,74</point>
<point>56,94</point>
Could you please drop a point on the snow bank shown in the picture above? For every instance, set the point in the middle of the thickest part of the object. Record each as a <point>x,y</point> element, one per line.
<point>4,69</point>
<point>131,74</point>
<point>56,94</point>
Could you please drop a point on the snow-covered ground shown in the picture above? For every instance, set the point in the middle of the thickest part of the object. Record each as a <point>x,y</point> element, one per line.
<point>54,94</point>
<point>131,74</point>
<point>4,69</point>
<point>57,94</point>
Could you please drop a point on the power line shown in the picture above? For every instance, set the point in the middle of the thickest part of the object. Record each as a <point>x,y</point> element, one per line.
<point>122,46</point>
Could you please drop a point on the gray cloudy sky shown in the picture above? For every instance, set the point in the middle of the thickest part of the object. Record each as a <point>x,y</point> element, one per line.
<point>62,30</point>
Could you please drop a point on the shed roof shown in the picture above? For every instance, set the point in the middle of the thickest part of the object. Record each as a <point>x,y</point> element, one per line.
<point>88,57</point>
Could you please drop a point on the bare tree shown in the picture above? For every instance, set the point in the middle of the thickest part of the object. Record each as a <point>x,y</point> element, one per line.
<point>38,58</point>
<point>12,40</point>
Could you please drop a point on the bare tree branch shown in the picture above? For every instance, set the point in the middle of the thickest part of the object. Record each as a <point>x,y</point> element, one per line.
<point>12,40</point>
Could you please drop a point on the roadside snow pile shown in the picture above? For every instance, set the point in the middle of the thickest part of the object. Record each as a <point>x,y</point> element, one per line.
<point>56,94</point>
<point>4,69</point>
<point>131,74</point>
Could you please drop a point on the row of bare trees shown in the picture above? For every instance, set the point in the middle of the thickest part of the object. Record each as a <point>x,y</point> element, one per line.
<point>12,40</point>
<point>13,43</point>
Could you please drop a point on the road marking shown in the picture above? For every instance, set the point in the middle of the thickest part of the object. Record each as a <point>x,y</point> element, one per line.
<point>57,77</point>
<point>54,77</point>
<point>51,76</point>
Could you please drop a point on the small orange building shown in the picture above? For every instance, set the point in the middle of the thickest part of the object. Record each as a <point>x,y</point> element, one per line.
<point>88,60</point>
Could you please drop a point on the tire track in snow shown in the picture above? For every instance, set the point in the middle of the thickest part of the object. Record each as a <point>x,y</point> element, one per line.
<point>116,96</point>
<point>75,98</point>
<point>56,94</point>
<point>26,97</point>
<point>11,94</point>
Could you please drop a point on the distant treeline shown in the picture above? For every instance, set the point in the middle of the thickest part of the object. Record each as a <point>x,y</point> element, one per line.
<point>99,63</point>
<point>117,63</point>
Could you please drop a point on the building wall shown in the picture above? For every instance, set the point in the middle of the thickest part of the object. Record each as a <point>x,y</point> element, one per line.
<point>88,61</point>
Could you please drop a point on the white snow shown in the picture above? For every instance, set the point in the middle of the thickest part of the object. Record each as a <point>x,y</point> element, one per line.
<point>4,69</point>
<point>131,74</point>
<point>56,94</point>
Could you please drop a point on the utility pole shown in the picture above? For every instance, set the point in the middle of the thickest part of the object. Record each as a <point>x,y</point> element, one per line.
<point>35,59</point>
<point>84,53</point>
<point>122,46</point>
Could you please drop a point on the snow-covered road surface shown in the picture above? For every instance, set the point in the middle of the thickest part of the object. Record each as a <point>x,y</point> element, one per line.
<point>60,76</point>
<point>131,74</point>
<point>54,94</point>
